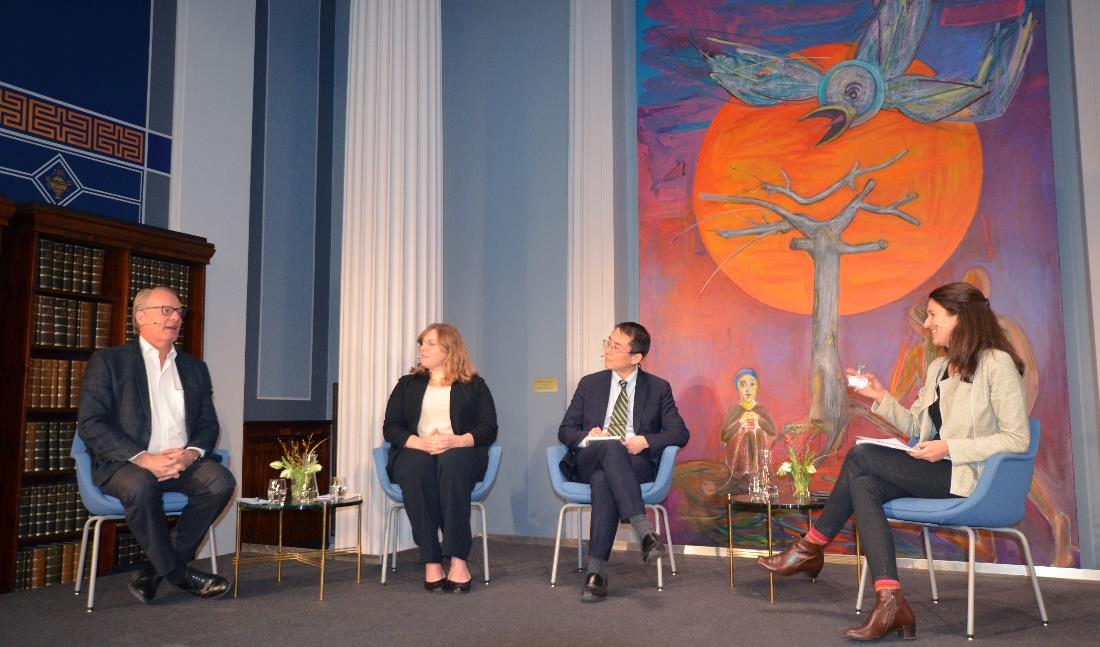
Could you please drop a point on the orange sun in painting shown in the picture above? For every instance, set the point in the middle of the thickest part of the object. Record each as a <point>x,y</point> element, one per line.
<point>745,147</point>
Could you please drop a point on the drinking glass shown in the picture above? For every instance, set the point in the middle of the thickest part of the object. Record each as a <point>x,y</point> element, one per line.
<point>276,490</point>
<point>338,487</point>
<point>858,381</point>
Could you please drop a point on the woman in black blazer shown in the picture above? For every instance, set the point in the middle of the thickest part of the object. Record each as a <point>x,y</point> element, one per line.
<point>440,421</point>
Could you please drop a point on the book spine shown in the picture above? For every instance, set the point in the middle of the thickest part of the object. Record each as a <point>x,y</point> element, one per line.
<point>42,447</point>
<point>28,446</point>
<point>53,563</point>
<point>98,256</point>
<point>55,446</point>
<point>45,262</point>
<point>103,325</point>
<point>38,567</point>
<point>68,432</point>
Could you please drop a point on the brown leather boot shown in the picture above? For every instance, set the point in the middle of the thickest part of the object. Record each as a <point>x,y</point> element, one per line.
<point>891,613</point>
<point>803,557</point>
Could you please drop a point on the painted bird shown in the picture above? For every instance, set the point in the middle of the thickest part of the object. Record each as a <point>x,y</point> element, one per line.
<point>855,90</point>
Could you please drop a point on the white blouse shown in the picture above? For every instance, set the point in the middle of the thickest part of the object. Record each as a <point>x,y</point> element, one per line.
<point>435,411</point>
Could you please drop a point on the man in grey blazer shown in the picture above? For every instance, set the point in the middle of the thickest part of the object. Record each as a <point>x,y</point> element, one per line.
<point>147,417</point>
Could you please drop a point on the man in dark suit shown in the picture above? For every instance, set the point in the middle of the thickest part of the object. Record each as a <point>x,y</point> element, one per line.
<point>616,427</point>
<point>147,417</point>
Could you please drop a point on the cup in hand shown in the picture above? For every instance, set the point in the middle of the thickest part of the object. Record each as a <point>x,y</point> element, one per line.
<point>276,491</point>
<point>859,381</point>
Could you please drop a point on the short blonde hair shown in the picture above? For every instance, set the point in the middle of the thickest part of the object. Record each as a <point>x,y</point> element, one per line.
<point>142,298</point>
<point>457,367</point>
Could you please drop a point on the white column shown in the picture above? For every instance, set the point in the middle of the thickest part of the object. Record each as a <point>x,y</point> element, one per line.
<point>590,281</point>
<point>391,251</point>
<point>211,170</point>
<point>590,290</point>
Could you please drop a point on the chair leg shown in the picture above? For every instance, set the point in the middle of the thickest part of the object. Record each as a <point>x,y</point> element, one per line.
<point>580,538</point>
<point>1031,573</point>
<point>83,555</point>
<point>213,552</point>
<point>394,529</point>
<point>668,534</point>
<point>95,561</point>
<point>931,564</point>
<point>557,546</point>
<point>484,540</point>
<point>971,539</point>
<point>862,585</point>
<point>386,542</point>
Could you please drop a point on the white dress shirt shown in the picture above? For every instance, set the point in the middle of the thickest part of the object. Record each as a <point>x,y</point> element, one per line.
<point>631,384</point>
<point>169,427</point>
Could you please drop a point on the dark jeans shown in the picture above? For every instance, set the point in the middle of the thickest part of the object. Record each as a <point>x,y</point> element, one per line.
<point>616,478</point>
<point>437,491</point>
<point>871,476</point>
<point>208,487</point>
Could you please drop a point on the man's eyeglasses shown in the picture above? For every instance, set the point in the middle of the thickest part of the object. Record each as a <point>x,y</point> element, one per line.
<point>168,310</point>
<point>615,347</point>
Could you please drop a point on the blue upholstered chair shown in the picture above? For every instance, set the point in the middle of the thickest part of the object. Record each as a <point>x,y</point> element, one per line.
<point>996,505</point>
<point>397,503</point>
<point>103,507</point>
<point>578,496</point>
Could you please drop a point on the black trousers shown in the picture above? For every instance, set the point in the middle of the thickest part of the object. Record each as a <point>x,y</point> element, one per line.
<point>437,491</point>
<point>871,476</point>
<point>208,487</point>
<point>616,478</point>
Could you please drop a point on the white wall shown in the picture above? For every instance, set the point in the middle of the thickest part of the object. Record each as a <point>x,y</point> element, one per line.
<point>212,128</point>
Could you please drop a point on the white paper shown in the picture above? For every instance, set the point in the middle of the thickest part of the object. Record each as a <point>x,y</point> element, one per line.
<point>892,443</point>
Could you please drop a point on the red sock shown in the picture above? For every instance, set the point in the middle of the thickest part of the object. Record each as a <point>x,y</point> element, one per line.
<point>815,537</point>
<point>887,584</point>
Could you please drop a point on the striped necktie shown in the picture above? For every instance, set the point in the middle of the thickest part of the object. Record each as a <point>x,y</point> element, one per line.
<point>618,416</point>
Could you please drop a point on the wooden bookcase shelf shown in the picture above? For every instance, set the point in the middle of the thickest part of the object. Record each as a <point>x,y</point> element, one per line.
<point>67,281</point>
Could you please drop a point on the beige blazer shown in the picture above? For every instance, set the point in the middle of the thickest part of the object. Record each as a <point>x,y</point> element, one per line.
<point>985,417</point>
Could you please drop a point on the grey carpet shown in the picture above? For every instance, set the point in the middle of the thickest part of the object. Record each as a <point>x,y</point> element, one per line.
<point>520,608</point>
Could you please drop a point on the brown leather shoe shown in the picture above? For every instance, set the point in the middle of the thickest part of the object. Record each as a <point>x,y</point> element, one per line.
<point>891,613</point>
<point>803,557</point>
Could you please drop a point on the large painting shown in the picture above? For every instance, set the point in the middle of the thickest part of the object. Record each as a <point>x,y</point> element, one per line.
<point>808,172</point>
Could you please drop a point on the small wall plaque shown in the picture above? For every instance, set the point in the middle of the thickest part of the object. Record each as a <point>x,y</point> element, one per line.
<point>545,385</point>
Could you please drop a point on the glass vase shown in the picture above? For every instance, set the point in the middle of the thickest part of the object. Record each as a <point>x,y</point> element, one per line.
<point>304,482</point>
<point>800,485</point>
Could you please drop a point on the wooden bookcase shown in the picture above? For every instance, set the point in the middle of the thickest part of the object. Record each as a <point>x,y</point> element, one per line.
<point>68,280</point>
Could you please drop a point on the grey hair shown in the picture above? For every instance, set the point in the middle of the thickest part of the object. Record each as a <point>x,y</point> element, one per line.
<point>142,297</point>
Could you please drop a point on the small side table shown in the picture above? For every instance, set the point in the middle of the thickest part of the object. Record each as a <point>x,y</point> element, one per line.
<point>311,557</point>
<point>783,502</point>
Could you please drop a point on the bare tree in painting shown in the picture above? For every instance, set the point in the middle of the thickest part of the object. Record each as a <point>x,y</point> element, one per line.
<point>821,239</point>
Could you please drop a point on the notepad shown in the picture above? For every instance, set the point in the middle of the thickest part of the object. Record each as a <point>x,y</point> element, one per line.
<point>892,443</point>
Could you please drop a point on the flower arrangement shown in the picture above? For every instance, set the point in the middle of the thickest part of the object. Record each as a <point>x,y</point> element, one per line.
<point>299,463</point>
<point>800,468</point>
<point>804,450</point>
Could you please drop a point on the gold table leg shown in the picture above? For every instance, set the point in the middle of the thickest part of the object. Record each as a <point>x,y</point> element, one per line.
<point>771,576</point>
<point>279,554</point>
<point>324,544</point>
<point>358,541</point>
<point>237,556</point>
<point>859,560</point>
<point>729,533</point>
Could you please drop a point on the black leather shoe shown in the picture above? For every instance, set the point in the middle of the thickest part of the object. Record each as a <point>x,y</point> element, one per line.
<point>653,548</point>
<point>595,588</point>
<point>145,583</point>
<point>204,585</point>
<point>460,587</point>
<point>442,585</point>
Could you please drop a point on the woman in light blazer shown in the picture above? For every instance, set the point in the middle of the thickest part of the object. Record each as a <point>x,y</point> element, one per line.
<point>972,406</point>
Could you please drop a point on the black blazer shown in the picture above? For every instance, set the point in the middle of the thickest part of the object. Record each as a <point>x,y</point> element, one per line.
<point>472,412</point>
<point>655,416</point>
<point>115,419</point>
